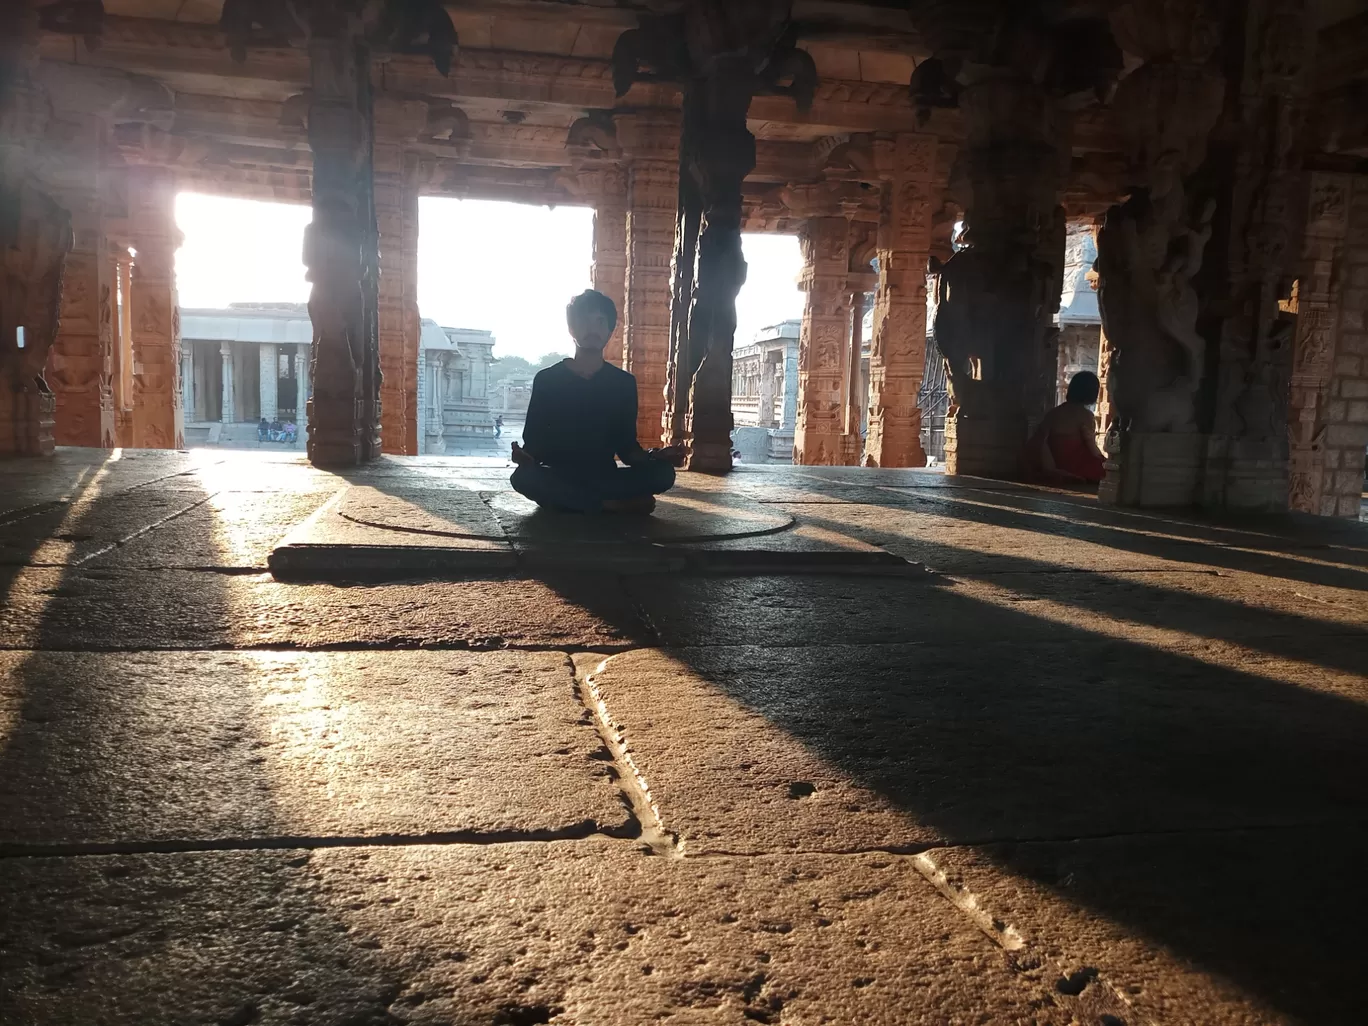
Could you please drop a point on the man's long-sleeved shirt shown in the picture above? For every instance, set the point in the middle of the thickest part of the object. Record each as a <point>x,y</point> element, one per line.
<point>576,423</point>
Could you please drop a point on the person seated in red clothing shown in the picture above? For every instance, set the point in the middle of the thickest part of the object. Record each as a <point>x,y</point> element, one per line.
<point>1064,448</point>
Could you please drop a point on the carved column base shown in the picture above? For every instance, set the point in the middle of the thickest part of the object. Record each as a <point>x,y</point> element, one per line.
<point>984,447</point>
<point>852,448</point>
<point>1244,474</point>
<point>710,457</point>
<point>1154,468</point>
<point>334,427</point>
<point>27,419</point>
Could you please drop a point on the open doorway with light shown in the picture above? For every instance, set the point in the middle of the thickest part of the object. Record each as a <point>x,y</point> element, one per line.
<point>244,319</point>
<point>493,281</point>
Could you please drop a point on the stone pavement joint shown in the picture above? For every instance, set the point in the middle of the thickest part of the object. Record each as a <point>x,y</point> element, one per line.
<point>634,785</point>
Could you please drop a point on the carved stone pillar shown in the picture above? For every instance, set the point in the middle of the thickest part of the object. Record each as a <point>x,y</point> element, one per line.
<point>717,153</point>
<point>188,383</point>
<point>607,188</point>
<point>1104,412</point>
<point>396,215</point>
<point>897,354</point>
<point>121,376</point>
<point>650,142</point>
<point>853,380</point>
<point>228,394</point>
<point>1328,416</point>
<point>765,411</point>
<point>154,310</point>
<point>998,296</point>
<point>1192,267</point>
<point>302,390</point>
<point>78,367</point>
<point>268,382</point>
<point>822,343</point>
<point>340,250</point>
<point>35,235</point>
<point>1258,218</point>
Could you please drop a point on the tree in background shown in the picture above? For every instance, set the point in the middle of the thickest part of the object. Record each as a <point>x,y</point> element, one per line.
<point>506,367</point>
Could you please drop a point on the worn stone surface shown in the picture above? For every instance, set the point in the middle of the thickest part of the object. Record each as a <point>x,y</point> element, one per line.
<point>1089,767</point>
<point>684,514</point>
<point>1250,926</point>
<point>103,609</point>
<point>137,748</point>
<point>835,747</point>
<point>590,932</point>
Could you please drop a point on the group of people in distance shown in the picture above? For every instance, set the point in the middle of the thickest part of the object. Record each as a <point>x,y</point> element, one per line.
<point>275,431</point>
<point>581,420</point>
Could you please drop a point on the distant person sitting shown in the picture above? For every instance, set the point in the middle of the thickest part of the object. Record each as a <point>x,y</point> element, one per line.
<point>583,413</point>
<point>1064,448</point>
<point>263,430</point>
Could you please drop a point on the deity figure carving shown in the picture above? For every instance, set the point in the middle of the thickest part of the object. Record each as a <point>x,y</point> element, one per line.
<point>1151,246</point>
<point>1149,250</point>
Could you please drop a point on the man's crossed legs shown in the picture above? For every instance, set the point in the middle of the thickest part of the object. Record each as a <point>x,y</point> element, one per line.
<point>623,488</point>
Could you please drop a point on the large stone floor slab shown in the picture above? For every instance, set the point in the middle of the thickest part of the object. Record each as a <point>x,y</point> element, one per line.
<point>836,748</point>
<point>1093,766</point>
<point>128,750</point>
<point>176,609</point>
<point>1259,926</point>
<point>564,933</point>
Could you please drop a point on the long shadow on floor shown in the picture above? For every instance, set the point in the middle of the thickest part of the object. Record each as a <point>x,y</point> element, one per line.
<point>1262,545</point>
<point>1140,600</point>
<point>1192,783</point>
<point>98,754</point>
<point>1075,736</point>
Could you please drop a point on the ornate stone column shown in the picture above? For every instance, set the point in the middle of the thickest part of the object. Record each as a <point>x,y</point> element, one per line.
<point>340,248</point>
<point>188,382</point>
<point>396,213</point>
<point>268,382</point>
<point>228,393</point>
<point>302,387</point>
<point>1328,415</point>
<point>650,143</point>
<point>765,410</point>
<point>897,352</point>
<point>1259,216</point>
<point>35,236</point>
<point>822,344</point>
<point>998,296</point>
<point>122,371</point>
<point>158,416</point>
<point>606,188</point>
<point>79,365</point>
<point>852,380</point>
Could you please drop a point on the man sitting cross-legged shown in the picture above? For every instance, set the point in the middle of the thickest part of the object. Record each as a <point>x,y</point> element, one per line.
<point>583,413</point>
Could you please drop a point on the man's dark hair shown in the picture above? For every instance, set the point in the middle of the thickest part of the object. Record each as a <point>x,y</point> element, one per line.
<point>1084,388</point>
<point>590,301</point>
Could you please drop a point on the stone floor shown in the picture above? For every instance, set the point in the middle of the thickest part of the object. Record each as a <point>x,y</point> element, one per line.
<point>818,746</point>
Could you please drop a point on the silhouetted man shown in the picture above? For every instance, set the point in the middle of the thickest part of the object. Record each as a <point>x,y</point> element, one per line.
<point>583,413</point>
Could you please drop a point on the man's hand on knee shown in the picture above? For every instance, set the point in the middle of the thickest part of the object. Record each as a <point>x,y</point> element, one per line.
<point>674,455</point>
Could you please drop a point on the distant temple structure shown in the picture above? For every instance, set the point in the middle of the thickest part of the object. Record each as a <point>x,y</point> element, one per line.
<point>250,361</point>
<point>453,387</point>
<point>765,394</point>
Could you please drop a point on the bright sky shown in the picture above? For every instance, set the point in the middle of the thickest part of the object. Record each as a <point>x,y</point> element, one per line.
<point>508,268</point>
